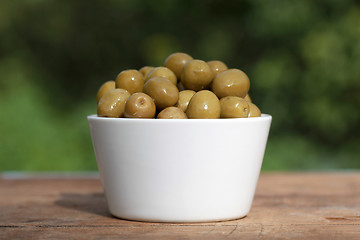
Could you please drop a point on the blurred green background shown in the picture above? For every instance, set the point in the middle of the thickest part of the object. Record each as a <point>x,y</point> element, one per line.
<point>302,57</point>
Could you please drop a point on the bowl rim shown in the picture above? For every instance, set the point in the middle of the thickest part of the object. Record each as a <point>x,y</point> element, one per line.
<point>264,117</point>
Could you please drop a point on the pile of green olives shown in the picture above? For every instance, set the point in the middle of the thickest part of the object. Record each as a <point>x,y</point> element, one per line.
<point>183,88</point>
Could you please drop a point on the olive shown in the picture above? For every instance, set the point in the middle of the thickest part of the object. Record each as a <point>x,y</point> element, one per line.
<point>145,70</point>
<point>163,92</point>
<point>247,98</point>
<point>196,75</point>
<point>232,82</point>
<point>140,105</point>
<point>104,88</point>
<point>112,103</point>
<point>204,104</point>
<point>176,61</point>
<point>234,107</point>
<point>184,99</point>
<point>254,111</point>
<point>217,66</point>
<point>162,72</point>
<point>172,113</point>
<point>131,80</point>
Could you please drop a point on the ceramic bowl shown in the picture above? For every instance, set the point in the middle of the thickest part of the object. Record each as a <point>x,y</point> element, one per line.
<point>179,170</point>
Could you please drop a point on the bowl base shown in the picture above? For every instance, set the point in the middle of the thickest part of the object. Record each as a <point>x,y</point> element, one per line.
<point>138,219</point>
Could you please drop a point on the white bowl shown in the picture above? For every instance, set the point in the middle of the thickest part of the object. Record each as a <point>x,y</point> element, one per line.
<point>179,170</point>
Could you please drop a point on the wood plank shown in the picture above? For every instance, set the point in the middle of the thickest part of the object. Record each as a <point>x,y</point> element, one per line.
<point>286,205</point>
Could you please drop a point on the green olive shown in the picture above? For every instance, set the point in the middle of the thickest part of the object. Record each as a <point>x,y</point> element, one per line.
<point>145,70</point>
<point>162,72</point>
<point>184,99</point>
<point>247,98</point>
<point>176,61</point>
<point>234,107</point>
<point>140,105</point>
<point>131,80</point>
<point>232,82</point>
<point>217,66</point>
<point>104,88</point>
<point>172,113</point>
<point>196,75</point>
<point>112,103</point>
<point>254,111</point>
<point>204,104</point>
<point>163,92</point>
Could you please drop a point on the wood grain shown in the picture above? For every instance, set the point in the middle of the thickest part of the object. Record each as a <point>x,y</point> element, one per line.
<point>286,206</point>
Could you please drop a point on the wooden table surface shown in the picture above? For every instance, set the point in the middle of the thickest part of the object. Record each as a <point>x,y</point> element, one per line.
<point>286,206</point>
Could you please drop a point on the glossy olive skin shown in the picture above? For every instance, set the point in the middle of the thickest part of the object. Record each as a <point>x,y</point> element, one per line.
<point>140,105</point>
<point>104,88</point>
<point>234,107</point>
<point>247,98</point>
<point>232,82</point>
<point>204,104</point>
<point>254,111</point>
<point>131,80</point>
<point>163,92</point>
<point>172,113</point>
<point>112,103</point>
<point>162,72</point>
<point>176,61</point>
<point>184,99</point>
<point>217,66</point>
<point>145,70</point>
<point>196,75</point>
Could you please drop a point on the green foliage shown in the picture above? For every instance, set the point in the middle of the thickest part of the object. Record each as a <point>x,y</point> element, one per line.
<point>302,57</point>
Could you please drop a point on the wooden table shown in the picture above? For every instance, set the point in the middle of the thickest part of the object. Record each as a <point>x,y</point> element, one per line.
<point>286,206</point>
